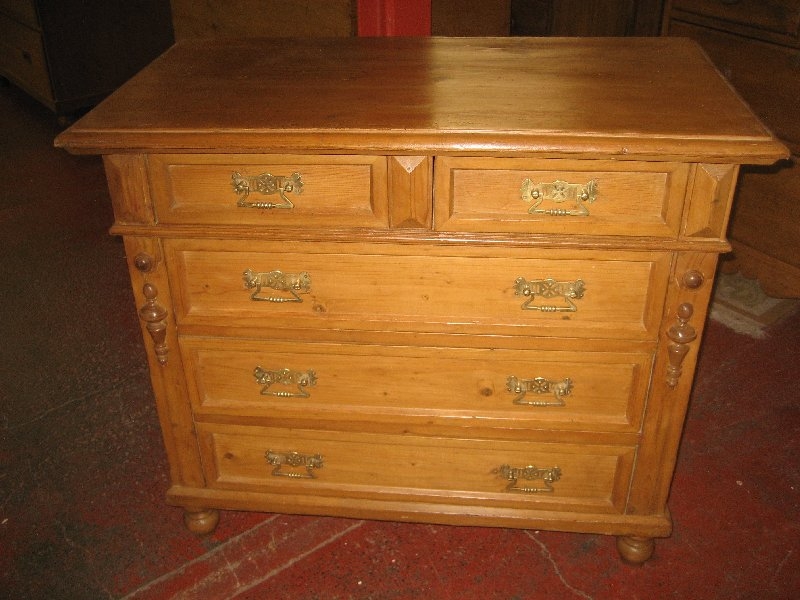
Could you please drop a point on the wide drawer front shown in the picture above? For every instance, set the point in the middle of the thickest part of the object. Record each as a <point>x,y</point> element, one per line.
<point>270,190</point>
<point>435,289</point>
<point>449,386</point>
<point>559,196</point>
<point>590,478</point>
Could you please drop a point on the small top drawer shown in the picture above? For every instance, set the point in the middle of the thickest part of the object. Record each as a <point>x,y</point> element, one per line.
<point>775,16</point>
<point>270,190</point>
<point>559,196</point>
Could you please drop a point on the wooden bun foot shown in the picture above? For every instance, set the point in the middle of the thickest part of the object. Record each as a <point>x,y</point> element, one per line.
<point>635,550</point>
<point>201,522</point>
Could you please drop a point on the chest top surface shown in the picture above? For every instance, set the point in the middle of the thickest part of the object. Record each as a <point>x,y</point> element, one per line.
<point>630,97</point>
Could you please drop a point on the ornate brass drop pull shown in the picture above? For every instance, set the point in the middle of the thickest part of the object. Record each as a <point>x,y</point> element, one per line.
<point>541,386</point>
<point>287,378</point>
<point>267,185</point>
<point>154,315</point>
<point>548,476</point>
<point>546,289</point>
<point>293,460</point>
<point>681,334</point>
<point>277,280</point>
<point>559,192</point>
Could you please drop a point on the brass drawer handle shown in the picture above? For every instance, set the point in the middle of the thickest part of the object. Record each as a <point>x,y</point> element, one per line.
<point>548,476</point>
<point>293,460</point>
<point>267,185</point>
<point>277,280</point>
<point>547,289</point>
<point>285,377</point>
<point>559,192</point>
<point>541,386</point>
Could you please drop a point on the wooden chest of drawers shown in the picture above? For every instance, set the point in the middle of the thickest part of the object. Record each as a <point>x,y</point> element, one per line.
<point>455,281</point>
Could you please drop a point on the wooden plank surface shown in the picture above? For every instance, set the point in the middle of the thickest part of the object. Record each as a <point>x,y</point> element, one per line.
<point>646,97</point>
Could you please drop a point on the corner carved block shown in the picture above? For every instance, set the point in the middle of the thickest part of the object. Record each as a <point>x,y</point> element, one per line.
<point>410,185</point>
<point>714,182</point>
<point>681,334</point>
<point>154,315</point>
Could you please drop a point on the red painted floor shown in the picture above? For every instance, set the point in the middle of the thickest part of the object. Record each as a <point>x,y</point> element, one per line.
<point>83,472</point>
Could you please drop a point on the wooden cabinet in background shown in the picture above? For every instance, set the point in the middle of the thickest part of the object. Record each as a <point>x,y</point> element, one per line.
<point>71,53</point>
<point>339,18</point>
<point>756,45</point>
<point>263,18</point>
<point>331,18</point>
<point>470,17</point>
<point>586,18</point>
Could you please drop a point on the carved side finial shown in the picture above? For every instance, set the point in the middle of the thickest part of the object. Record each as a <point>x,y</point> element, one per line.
<point>682,334</point>
<point>154,315</point>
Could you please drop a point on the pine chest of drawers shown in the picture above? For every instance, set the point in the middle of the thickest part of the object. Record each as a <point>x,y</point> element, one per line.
<point>448,280</point>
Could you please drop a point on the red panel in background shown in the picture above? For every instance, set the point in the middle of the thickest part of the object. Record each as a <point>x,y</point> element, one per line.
<point>394,17</point>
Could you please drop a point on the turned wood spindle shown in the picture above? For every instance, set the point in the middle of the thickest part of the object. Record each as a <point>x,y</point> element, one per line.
<point>154,315</point>
<point>682,334</point>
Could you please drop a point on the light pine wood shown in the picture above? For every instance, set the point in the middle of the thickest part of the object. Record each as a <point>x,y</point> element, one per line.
<point>372,382</point>
<point>168,379</point>
<point>477,194</point>
<point>410,191</point>
<point>129,185</point>
<point>710,219</point>
<point>409,297</point>
<point>430,469</point>
<point>420,288</point>
<point>337,191</point>
<point>428,96</point>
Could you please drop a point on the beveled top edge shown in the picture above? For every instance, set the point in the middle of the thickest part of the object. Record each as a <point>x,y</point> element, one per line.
<point>764,150</point>
<point>620,97</point>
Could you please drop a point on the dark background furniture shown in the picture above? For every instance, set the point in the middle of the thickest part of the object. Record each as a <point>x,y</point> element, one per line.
<point>756,45</point>
<point>69,54</point>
